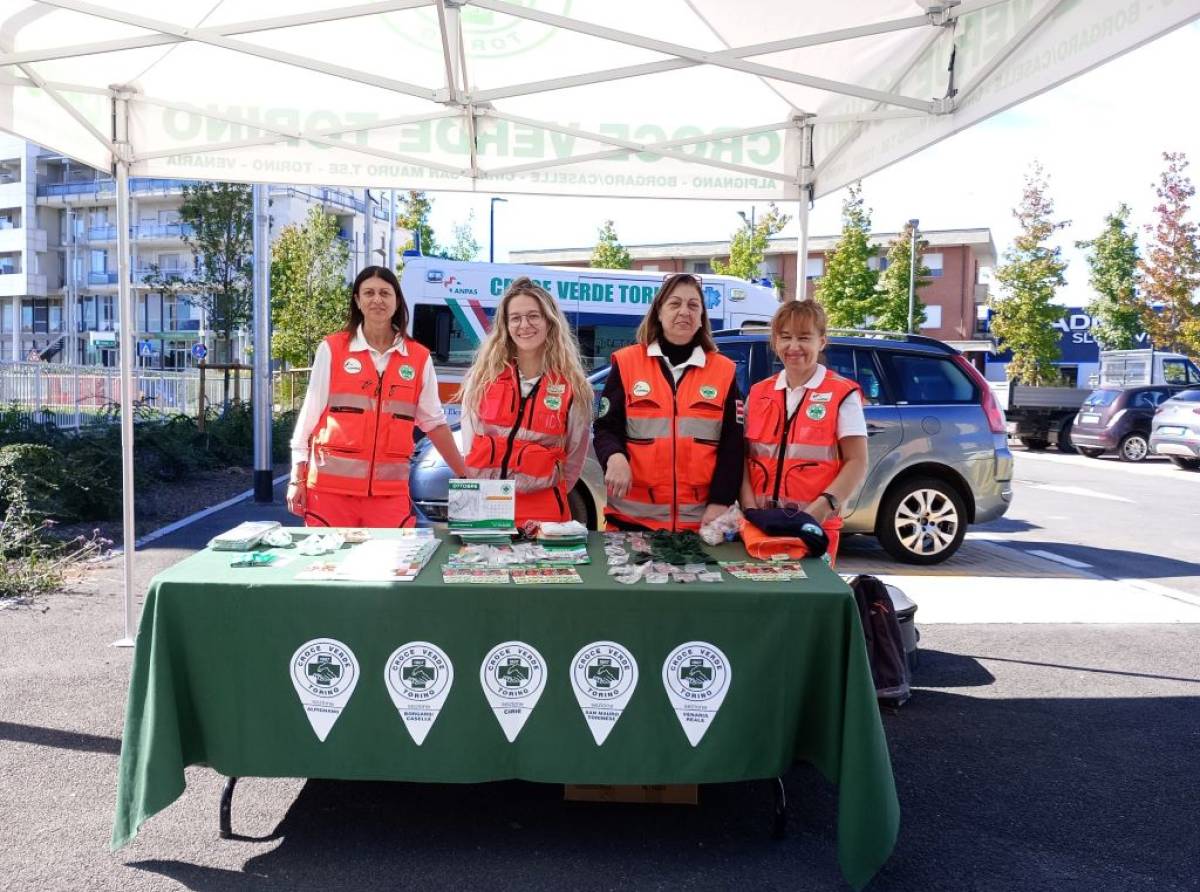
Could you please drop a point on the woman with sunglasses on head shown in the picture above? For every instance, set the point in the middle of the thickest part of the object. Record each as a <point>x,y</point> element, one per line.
<point>669,429</point>
<point>806,435</point>
<point>527,405</point>
<point>369,386</point>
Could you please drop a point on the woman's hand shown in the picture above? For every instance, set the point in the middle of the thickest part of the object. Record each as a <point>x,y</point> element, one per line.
<point>297,497</point>
<point>819,509</point>
<point>618,477</point>
<point>712,512</point>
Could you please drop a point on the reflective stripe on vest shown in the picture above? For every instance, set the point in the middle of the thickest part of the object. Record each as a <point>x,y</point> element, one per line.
<point>671,436</point>
<point>362,444</point>
<point>797,472</point>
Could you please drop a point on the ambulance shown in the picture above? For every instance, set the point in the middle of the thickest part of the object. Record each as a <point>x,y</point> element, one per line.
<point>452,303</point>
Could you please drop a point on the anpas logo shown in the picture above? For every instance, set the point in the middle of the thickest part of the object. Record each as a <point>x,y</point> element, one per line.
<point>454,285</point>
<point>486,34</point>
<point>712,297</point>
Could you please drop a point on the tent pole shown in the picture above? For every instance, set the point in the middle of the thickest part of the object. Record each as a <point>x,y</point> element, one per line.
<point>128,312</point>
<point>805,199</point>
<point>261,396</point>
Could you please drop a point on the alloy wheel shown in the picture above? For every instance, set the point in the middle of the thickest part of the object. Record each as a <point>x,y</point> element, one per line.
<point>926,522</point>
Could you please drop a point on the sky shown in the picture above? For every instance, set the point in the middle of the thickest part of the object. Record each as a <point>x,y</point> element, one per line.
<point>1099,137</point>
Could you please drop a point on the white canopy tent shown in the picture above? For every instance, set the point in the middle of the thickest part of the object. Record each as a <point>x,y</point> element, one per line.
<point>698,99</point>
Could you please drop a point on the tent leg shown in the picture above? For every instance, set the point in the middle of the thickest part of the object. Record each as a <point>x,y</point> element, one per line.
<point>806,193</point>
<point>261,398</point>
<point>128,319</point>
<point>225,828</point>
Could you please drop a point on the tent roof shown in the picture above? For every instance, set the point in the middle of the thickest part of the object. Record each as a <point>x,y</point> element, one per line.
<point>674,98</point>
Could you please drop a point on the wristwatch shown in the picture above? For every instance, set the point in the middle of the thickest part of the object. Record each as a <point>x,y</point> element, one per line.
<point>834,505</point>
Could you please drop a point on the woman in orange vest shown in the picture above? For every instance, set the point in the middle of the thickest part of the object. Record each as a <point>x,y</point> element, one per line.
<point>806,437</point>
<point>370,385</point>
<point>669,429</point>
<point>527,405</point>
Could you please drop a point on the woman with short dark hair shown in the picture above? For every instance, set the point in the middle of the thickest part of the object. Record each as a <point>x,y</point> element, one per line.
<point>668,432</point>
<point>370,386</point>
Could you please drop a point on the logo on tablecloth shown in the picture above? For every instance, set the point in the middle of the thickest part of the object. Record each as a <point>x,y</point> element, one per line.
<point>513,676</point>
<point>324,674</point>
<point>696,676</point>
<point>604,675</point>
<point>418,676</point>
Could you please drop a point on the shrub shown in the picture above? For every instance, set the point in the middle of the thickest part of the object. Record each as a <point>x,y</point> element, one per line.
<point>30,564</point>
<point>35,475</point>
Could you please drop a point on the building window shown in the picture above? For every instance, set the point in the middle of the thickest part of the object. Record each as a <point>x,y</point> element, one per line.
<point>98,217</point>
<point>933,262</point>
<point>99,262</point>
<point>10,171</point>
<point>10,218</point>
<point>878,263</point>
<point>6,315</point>
<point>10,263</point>
<point>701,267</point>
<point>815,268</point>
<point>933,317</point>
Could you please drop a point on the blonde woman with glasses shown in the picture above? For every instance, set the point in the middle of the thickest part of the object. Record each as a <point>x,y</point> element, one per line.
<point>527,405</point>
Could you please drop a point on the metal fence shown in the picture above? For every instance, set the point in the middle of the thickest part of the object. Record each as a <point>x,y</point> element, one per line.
<point>76,396</point>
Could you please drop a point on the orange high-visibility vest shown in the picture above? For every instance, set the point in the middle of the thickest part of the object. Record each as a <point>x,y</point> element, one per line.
<point>793,460</point>
<point>364,440</point>
<point>671,437</point>
<point>524,439</point>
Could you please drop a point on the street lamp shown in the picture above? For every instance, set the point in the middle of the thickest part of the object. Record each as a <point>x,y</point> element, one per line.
<point>749,222</point>
<point>492,227</point>
<point>912,271</point>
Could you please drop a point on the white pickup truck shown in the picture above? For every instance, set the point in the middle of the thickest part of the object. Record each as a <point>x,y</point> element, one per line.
<point>1042,416</point>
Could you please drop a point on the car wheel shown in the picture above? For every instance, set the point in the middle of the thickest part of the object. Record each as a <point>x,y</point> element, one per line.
<point>1188,464</point>
<point>922,521</point>
<point>1064,437</point>
<point>1034,443</point>
<point>1090,453</point>
<point>1134,447</point>
<point>578,507</point>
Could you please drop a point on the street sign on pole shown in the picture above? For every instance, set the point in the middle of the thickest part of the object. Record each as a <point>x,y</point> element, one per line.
<point>145,348</point>
<point>199,351</point>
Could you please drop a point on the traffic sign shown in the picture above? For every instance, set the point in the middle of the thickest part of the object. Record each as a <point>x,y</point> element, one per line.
<point>145,348</point>
<point>199,351</point>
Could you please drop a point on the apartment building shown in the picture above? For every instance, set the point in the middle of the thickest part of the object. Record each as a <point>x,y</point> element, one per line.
<point>58,259</point>
<point>955,299</point>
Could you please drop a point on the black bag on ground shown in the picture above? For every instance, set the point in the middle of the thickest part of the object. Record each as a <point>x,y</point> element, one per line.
<point>885,646</point>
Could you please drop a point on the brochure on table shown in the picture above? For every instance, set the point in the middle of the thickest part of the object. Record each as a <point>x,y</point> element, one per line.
<point>476,506</point>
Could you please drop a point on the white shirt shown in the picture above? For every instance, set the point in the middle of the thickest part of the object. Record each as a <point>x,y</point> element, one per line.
<point>579,436</point>
<point>697,359</point>
<point>316,400</point>
<point>851,421</point>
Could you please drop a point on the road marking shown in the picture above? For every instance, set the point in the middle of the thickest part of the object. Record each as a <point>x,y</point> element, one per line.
<point>1080,491</point>
<point>1058,558</point>
<point>1162,590</point>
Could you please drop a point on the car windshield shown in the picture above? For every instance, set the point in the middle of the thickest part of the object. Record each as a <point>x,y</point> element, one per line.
<point>1101,397</point>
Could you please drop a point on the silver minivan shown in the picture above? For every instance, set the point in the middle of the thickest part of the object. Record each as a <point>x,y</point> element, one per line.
<point>939,457</point>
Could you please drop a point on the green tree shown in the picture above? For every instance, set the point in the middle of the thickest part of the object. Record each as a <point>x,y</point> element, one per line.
<point>748,246</point>
<point>890,312</point>
<point>465,246</point>
<point>847,289</point>
<point>1171,268</point>
<point>609,253</point>
<point>412,214</point>
<point>1112,258</point>
<point>220,233</point>
<point>1023,317</point>
<point>308,286</point>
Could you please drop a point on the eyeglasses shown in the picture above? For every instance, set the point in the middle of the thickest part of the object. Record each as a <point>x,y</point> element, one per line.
<point>680,277</point>
<point>534,319</point>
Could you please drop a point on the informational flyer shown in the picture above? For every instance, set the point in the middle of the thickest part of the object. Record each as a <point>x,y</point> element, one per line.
<point>482,505</point>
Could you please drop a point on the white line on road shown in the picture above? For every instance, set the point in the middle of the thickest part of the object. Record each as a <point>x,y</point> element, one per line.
<point>1080,491</point>
<point>1058,558</point>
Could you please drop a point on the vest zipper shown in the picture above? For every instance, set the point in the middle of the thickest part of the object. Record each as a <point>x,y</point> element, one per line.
<point>787,428</point>
<point>512,435</point>
<point>375,438</point>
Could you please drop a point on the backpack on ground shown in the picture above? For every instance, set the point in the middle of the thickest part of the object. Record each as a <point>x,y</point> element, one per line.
<point>885,645</point>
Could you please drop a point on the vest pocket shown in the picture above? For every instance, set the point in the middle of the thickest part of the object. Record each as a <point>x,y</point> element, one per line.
<point>485,451</point>
<point>398,442</point>
<point>534,461</point>
<point>344,429</point>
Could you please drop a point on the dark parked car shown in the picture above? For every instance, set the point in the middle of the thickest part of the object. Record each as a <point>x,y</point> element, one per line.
<point>1118,419</point>
<point>1176,431</point>
<point>939,457</point>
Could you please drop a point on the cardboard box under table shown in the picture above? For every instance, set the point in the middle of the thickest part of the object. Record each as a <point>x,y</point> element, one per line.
<point>798,686</point>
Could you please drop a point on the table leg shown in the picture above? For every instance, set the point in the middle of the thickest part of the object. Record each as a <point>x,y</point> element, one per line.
<point>226,826</point>
<point>779,824</point>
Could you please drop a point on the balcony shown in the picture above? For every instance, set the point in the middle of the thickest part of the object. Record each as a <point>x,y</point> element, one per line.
<point>102,278</point>
<point>108,186</point>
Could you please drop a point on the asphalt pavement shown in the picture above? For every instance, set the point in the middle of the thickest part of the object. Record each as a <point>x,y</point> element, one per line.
<point>1032,756</point>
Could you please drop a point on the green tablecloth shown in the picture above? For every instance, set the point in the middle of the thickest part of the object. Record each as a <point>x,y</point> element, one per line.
<point>212,685</point>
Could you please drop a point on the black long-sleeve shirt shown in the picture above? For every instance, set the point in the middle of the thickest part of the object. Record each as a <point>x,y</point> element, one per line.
<point>609,434</point>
